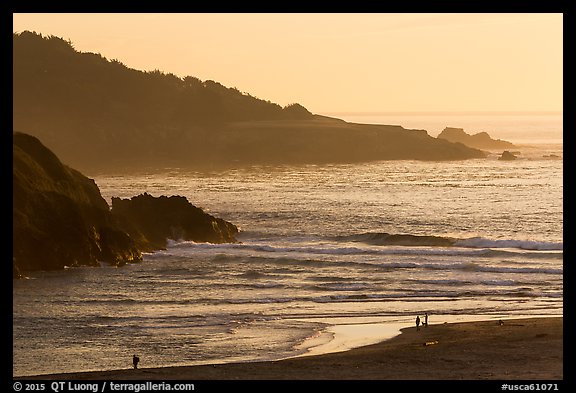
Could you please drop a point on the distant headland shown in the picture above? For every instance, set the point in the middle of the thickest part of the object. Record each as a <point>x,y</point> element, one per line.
<point>480,140</point>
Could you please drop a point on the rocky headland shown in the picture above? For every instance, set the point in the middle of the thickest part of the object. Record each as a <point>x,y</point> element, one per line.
<point>150,221</point>
<point>59,217</point>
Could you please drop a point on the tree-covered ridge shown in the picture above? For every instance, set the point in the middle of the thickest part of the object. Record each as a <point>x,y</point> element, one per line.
<point>59,217</point>
<point>91,85</point>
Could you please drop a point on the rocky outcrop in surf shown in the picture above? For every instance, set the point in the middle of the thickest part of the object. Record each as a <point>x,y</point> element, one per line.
<point>97,114</point>
<point>507,156</point>
<point>150,221</point>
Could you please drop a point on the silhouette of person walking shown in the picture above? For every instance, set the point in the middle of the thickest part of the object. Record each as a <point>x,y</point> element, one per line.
<point>135,360</point>
<point>426,320</point>
<point>417,322</point>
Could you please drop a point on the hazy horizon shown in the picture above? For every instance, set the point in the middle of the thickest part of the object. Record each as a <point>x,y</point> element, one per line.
<point>332,63</point>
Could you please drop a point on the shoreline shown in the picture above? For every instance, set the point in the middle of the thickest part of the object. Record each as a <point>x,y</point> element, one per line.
<point>519,349</point>
<point>346,336</point>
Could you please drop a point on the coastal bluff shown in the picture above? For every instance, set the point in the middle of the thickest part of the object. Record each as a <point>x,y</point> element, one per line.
<point>60,219</point>
<point>98,114</point>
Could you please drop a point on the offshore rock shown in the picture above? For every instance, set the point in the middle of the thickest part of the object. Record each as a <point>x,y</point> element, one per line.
<point>150,221</point>
<point>480,140</point>
<point>95,114</point>
<point>59,217</point>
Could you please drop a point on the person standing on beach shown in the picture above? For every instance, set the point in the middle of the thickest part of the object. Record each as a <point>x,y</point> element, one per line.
<point>135,360</point>
<point>426,319</point>
<point>417,322</point>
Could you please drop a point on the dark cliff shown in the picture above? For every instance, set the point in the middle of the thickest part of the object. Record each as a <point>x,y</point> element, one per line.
<point>150,221</point>
<point>59,217</point>
<point>507,156</point>
<point>99,114</point>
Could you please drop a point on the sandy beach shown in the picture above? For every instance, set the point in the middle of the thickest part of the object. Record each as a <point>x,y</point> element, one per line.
<point>518,349</point>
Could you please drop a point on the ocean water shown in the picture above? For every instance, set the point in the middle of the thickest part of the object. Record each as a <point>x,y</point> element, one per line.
<point>321,248</point>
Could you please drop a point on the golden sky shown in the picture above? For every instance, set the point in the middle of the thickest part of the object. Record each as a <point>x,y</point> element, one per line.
<point>340,62</point>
